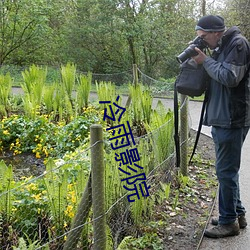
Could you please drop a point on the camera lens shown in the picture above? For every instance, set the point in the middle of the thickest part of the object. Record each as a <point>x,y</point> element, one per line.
<point>187,53</point>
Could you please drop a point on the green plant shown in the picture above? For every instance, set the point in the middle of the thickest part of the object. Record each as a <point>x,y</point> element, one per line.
<point>147,241</point>
<point>48,98</point>
<point>42,136</point>
<point>29,245</point>
<point>30,208</point>
<point>34,81</point>
<point>56,187</point>
<point>141,110</point>
<point>83,91</point>
<point>106,92</point>
<point>5,90</point>
<point>68,74</point>
<point>146,102</point>
<point>184,181</point>
<point>6,184</point>
<point>164,192</point>
<point>176,199</point>
<point>161,131</point>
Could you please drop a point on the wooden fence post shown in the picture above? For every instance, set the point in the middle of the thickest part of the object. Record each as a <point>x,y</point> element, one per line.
<point>184,135</point>
<point>80,218</point>
<point>135,82</point>
<point>98,188</point>
<point>135,74</point>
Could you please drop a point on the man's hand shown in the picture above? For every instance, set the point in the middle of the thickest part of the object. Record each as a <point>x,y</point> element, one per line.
<point>200,58</point>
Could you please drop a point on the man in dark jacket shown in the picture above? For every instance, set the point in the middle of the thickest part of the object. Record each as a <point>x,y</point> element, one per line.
<point>228,112</point>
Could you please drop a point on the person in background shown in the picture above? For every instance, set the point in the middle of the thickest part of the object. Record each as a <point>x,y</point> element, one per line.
<point>228,112</point>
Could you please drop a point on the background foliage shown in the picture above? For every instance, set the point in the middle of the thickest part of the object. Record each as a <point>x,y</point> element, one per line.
<point>106,36</point>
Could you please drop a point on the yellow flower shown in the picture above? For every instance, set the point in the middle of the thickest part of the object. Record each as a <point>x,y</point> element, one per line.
<point>6,132</point>
<point>37,196</point>
<point>69,211</point>
<point>14,209</point>
<point>38,155</point>
<point>73,199</point>
<point>17,152</point>
<point>31,187</point>
<point>45,151</point>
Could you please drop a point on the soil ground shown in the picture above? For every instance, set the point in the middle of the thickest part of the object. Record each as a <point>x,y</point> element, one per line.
<point>188,221</point>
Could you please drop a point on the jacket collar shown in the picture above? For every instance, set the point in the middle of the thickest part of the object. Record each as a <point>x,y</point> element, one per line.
<point>231,32</point>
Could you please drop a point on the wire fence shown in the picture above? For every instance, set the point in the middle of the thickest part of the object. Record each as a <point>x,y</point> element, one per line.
<point>57,209</point>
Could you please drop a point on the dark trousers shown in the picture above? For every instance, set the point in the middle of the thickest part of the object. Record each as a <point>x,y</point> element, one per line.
<point>228,145</point>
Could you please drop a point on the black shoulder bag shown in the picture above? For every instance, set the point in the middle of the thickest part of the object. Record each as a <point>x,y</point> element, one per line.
<point>192,79</point>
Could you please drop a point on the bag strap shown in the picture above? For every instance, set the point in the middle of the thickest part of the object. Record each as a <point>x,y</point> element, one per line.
<point>199,127</point>
<point>176,126</point>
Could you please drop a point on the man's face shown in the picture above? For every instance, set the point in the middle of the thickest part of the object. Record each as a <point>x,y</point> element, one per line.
<point>211,38</point>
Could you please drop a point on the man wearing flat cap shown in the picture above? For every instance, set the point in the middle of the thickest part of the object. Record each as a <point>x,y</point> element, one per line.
<point>228,112</point>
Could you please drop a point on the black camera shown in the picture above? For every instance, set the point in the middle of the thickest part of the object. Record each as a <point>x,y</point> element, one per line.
<point>190,51</point>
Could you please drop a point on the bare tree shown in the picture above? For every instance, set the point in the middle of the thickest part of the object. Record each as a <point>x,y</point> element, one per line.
<point>19,23</point>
